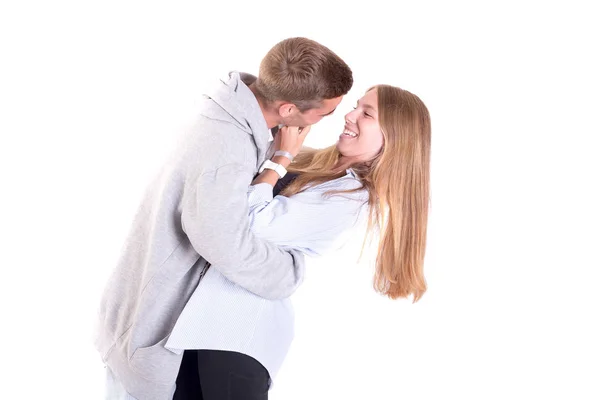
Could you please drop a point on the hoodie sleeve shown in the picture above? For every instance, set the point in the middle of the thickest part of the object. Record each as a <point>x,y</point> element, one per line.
<point>215,219</point>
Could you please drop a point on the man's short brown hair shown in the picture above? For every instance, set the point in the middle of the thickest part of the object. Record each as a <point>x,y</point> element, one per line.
<point>303,72</point>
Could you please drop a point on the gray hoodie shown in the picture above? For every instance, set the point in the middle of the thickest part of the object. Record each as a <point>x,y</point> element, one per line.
<point>195,212</point>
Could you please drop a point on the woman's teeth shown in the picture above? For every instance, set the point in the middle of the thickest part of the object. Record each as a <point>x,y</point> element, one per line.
<point>349,133</point>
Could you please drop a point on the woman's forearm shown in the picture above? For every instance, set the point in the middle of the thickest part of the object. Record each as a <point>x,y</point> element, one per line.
<point>268,175</point>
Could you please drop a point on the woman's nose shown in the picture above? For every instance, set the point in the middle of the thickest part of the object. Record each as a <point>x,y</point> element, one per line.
<point>351,117</point>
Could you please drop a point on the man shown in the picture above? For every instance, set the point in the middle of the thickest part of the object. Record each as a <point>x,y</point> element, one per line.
<point>196,213</point>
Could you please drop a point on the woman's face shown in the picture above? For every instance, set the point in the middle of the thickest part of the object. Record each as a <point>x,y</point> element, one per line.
<point>362,138</point>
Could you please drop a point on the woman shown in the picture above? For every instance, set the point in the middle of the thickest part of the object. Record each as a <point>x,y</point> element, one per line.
<point>379,170</point>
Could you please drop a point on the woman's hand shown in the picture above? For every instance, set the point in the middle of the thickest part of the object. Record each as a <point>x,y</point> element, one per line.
<point>291,138</point>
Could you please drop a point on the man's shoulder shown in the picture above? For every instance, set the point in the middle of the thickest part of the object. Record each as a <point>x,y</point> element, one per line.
<point>208,143</point>
<point>214,114</point>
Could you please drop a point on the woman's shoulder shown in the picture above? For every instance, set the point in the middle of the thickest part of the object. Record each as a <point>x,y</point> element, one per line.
<point>347,182</point>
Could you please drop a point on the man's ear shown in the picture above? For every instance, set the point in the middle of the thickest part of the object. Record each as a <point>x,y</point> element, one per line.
<point>287,109</point>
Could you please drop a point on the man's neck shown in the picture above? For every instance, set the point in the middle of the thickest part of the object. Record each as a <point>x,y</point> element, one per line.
<point>271,117</point>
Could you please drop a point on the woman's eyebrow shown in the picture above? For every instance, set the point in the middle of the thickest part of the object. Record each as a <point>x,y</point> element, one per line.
<point>368,106</point>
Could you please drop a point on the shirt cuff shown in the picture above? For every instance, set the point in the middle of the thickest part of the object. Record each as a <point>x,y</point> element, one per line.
<point>259,194</point>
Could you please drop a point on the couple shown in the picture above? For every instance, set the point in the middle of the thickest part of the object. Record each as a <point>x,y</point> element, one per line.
<point>197,307</point>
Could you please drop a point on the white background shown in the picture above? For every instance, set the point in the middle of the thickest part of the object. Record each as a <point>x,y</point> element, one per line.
<point>92,94</point>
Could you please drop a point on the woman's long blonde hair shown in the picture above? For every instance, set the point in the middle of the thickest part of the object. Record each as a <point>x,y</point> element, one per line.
<point>398,184</point>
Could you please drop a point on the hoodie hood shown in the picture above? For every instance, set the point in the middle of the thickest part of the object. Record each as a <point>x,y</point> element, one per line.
<point>233,96</point>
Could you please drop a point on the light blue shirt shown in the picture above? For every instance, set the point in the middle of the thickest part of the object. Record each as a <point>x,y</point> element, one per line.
<point>221,315</point>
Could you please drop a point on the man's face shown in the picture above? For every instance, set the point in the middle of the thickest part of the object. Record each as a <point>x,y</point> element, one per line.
<point>313,115</point>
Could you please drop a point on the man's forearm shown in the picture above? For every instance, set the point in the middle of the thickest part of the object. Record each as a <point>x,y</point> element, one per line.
<point>215,219</point>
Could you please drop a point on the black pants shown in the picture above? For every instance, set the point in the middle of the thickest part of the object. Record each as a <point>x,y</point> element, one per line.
<point>221,375</point>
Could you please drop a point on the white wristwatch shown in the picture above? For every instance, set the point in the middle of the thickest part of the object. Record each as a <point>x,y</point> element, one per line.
<point>268,164</point>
